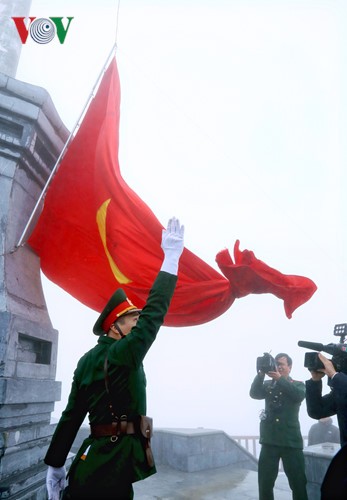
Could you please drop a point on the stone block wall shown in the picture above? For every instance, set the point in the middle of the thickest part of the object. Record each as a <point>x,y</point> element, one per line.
<point>192,450</point>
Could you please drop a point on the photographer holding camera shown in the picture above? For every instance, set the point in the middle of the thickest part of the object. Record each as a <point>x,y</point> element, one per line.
<point>334,484</point>
<point>333,403</point>
<point>318,406</point>
<point>280,435</point>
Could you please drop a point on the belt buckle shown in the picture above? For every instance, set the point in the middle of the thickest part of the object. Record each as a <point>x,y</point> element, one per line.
<point>114,436</point>
<point>123,424</point>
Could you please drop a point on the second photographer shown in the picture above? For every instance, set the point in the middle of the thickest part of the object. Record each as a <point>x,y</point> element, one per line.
<point>333,403</point>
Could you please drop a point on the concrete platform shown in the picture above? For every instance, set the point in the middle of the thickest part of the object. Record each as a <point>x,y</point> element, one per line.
<point>223,483</point>
<point>200,464</point>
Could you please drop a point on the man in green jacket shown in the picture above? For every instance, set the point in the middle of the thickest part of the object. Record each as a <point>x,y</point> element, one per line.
<point>280,434</point>
<point>109,385</point>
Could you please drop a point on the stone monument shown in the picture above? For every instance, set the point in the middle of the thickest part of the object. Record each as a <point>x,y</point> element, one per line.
<point>32,136</point>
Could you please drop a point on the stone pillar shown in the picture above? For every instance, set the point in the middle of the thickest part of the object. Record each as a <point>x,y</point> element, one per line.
<point>31,138</point>
<point>317,461</point>
<point>10,42</point>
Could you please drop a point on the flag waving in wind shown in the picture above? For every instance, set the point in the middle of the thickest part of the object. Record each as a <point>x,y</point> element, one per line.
<point>95,234</point>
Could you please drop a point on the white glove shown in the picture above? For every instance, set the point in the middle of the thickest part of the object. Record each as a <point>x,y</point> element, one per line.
<point>172,244</point>
<point>55,482</point>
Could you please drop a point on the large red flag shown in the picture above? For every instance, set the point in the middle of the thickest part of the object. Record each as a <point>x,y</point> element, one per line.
<point>95,234</point>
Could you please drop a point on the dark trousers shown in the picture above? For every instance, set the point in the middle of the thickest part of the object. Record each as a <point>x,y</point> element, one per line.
<point>294,468</point>
<point>123,492</point>
<point>334,485</point>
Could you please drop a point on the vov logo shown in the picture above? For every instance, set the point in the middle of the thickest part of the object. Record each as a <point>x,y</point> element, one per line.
<point>42,29</point>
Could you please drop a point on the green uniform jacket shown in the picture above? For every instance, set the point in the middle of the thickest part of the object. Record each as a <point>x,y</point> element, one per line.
<point>280,424</point>
<point>106,462</point>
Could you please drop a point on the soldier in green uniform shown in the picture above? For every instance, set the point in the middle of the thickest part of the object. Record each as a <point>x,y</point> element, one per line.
<point>109,385</point>
<point>280,434</point>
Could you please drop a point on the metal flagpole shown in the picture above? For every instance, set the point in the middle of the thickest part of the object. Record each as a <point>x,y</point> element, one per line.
<point>60,157</point>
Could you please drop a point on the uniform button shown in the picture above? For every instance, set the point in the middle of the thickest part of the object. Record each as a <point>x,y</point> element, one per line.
<point>277,419</point>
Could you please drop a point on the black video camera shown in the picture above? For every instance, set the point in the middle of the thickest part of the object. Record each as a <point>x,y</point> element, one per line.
<point>338,351</point>
<point>266,363</point>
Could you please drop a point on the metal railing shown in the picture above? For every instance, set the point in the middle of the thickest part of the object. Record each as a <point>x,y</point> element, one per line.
<point>251,443</point>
